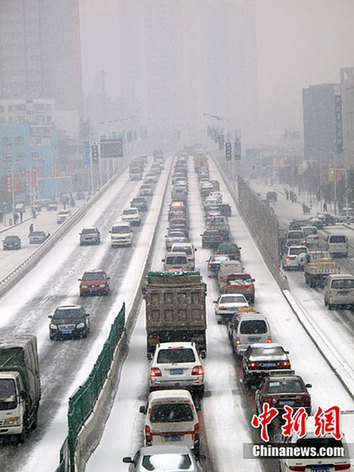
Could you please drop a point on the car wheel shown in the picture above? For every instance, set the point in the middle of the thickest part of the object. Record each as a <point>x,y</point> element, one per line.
<point>84,335</point>
<point>330,306</point>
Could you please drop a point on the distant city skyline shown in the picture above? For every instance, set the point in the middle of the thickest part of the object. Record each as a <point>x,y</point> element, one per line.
<point>299,43</point>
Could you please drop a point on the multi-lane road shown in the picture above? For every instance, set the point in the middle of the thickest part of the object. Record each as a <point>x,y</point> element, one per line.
<point>227,406</point>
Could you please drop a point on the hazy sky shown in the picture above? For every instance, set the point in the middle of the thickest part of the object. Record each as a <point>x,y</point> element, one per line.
<point>299,43</point>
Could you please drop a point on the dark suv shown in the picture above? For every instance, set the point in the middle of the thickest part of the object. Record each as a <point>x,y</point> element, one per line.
<point>90,236</point>
<point>69,321</point>
<point>11,242</point>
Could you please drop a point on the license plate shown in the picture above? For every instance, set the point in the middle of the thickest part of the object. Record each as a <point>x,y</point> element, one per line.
<point>253,340</point>
<point>289,402</point>
<point>173,437</point>
<point>269,365</point>
<point>176,371</point>
<point>319,469</point>
<point>343,293</point>
<point>66,331</point>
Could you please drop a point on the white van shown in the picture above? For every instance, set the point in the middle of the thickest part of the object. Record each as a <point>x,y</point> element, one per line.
<point>171,418</point>
<point>339,290</point>
<point>176,262</point>
<point>121,234</point>
<point>189,249</point>
<point>337,245</point>
<point>248,328</point>
<point>226,268</point>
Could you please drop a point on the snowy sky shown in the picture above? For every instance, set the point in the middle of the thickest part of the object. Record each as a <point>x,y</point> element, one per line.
<point>299,43</point>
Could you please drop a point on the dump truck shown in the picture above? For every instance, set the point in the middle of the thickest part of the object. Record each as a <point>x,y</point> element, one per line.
<point>20,389</point>
<point>201,163</point>
<point>175,309</point>
<point>318,266</point>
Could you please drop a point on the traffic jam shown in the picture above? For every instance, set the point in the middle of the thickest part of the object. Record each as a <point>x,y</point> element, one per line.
<point>203,294</point>
<point>176,342</point>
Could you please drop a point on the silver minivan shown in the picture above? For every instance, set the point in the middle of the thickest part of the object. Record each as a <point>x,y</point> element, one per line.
<point>337,245</point>
<point>339,290</point>
<point>248,328</point>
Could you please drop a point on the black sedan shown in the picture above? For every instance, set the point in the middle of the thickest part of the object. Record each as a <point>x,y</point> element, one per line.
<point>261,359</point>
<point>232,250</point>
<point>11,242</point>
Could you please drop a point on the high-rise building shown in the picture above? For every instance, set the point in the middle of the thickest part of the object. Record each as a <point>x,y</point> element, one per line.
<point>347,90</point>
<point>322,116</point>
<point>40,56</point>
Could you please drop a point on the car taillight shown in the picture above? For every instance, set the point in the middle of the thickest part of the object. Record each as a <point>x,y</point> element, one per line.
<point>155,372</point>
<point>269,340</point>
<point>148,436</point>
<point>196,431</point>
<point>237,341</point>
<point>285,364</point>
<point>342,467</point>
<point>297,467</point>
<point>268,400</point>
<point>253,364</point>
<point>287,259</point>
<point>197,370</point>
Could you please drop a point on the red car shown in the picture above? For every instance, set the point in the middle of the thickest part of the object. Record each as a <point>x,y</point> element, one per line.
<point>280,390</point>
<point>94,282</point>
<point>240,283</point>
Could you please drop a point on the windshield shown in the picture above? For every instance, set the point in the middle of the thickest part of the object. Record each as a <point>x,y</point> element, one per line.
<point>186,249</point>
<point>176,260</point>
<point>285,386</point>
<point>344,283</point>
<point>93,276</point>
<point>337,239</point>
<point>88,230</point>
<point>295,235</point>
<point>253,327</point>
<point>68,313</point>
<point>120,229</point>
<point>233,299</point>
<point>8,399</point>
<point>171,356</point>
<point>239,278</point>
<point>295,251</point>
<point>168,462</point>
<point>133,211</point>
<point>267,351</point>
<point>171,413</point>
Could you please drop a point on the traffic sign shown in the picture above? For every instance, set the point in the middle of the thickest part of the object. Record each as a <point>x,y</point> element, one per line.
<point>221,141</point>
<point>228,151</point>
<point>237,149</point>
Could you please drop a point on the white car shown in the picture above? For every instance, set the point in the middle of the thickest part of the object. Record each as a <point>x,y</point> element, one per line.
<point>132,215</point>
<point>294,258</point>
<point>322,463</point>
<point>228,304</point>
<point>63,215</point>
<point>177,365</point>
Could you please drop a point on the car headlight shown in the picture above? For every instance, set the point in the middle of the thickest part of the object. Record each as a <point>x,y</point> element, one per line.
<point>53,326</point>
<point>102,285</point>
<point>80,325</point>
<point>15,421</point>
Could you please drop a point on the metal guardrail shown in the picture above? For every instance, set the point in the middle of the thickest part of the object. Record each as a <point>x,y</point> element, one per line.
<point>13,277</point>
<point>83,401</point>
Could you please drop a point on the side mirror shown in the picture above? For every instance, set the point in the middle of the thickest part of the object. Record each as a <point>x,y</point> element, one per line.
<point>79,280</point>
<point>110,231</point>
<point>87,314</point>
<point>162,260</point>
<point>142,409</point>
<point>50,316</point>
<point>108,278</point>
<point>127,460</point>
<point>308,385</point>
<point>202,354</point>
<point>24,394</point>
